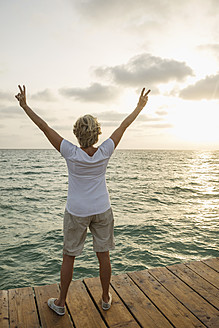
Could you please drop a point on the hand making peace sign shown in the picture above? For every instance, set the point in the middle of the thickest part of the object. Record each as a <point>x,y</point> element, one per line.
<point>143,99</point>
<point>21,97</point>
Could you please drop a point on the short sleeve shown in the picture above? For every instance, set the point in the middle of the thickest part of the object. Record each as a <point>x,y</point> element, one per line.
<point>108,147</point>
<point>67,149</point>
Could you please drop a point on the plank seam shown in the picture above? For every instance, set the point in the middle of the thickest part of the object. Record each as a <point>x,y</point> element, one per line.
<point>35,300</point>
<point>69,313</point>
<point>210,266</point>
<point>202,276</point>
<point>151,301</point>
<point>7,308</point>
<point>9,319</point>
<point>67,308</point>
<point>178,298</point>
<point>134,317</point>
<point>95,304</point>
<point>193,289</point>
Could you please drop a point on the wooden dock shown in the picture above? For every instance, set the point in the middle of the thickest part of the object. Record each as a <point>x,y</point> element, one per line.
<point>181,295</point>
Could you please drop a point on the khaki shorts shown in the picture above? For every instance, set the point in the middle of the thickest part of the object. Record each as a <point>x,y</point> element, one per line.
<point>75,232</point>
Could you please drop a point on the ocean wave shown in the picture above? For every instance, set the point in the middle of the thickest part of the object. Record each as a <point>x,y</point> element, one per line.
<point>184,190</point>
<point>15,188</point>
<point>157,200</point>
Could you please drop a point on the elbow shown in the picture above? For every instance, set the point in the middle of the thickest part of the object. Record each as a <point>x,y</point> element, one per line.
<point>124,126</point>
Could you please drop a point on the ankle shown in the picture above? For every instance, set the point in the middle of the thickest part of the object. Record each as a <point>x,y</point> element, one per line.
<point>105,297</point>
<point>59,302</point>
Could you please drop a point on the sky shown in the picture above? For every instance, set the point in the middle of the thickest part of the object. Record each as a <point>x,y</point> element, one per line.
<point>95,56</point>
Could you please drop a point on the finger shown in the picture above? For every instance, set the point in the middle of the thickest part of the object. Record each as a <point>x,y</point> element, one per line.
<point>24,89</point>
<point>147,92</point>
<point>142,92</point>
<point>20,89</point>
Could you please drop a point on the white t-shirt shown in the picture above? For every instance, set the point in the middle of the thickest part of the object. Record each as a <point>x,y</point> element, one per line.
<point>87,190</point>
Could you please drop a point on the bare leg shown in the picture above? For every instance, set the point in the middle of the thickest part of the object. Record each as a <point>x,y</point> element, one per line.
<point>105,273</point>
<point>66,278</point>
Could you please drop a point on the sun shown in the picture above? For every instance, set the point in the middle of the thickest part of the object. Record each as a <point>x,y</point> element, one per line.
<point>197,122</point>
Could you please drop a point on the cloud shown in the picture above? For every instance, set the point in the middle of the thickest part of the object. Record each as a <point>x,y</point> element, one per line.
<point>159,126</point>
<point>145,69</point>
<point>161,112</point>
<point>113,118</point>
<point>151,18</point>
<point>207,88</point>
<point>45,95</point>
<point>111,123</point>
<point>60,127</point>
<point>212,47</point>
<point>6,96</point>
<point>110,116</point>
<point>10,111</point>
<point>127,12</point>
<point>96,92</point>
<point>146,118</point>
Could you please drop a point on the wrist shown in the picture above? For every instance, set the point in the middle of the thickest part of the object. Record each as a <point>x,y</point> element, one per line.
<point>25,106</point>
<point>139,107</point>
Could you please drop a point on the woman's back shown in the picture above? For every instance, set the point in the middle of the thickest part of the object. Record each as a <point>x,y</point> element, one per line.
<point>87,191</point>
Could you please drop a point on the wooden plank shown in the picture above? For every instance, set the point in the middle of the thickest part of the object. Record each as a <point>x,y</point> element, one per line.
<point>22,308</point>
<point>199,284</point>
<point>205,271</point>
<point>213,263</point>
<point>176,313</point>
<point>4,319</point>
<point>139,305</point>
<point>47,316</point>
<point>82,308</point>
<point>204,311</point>
<point>118,315</point>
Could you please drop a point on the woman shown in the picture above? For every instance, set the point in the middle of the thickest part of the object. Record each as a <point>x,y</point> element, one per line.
<point>88,203</point>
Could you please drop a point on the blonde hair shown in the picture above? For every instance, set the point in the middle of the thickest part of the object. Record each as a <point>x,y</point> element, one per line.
<point>87,130</point>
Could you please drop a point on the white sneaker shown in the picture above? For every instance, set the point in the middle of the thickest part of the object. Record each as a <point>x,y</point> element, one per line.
<point>106,306</point>
<point>60,310</point>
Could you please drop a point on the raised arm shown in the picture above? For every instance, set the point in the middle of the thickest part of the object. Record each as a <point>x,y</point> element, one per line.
<point>118,133</point>
<point>54,138</point>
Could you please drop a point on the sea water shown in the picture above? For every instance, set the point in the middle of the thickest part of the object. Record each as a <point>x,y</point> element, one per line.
<point>165,206</point>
